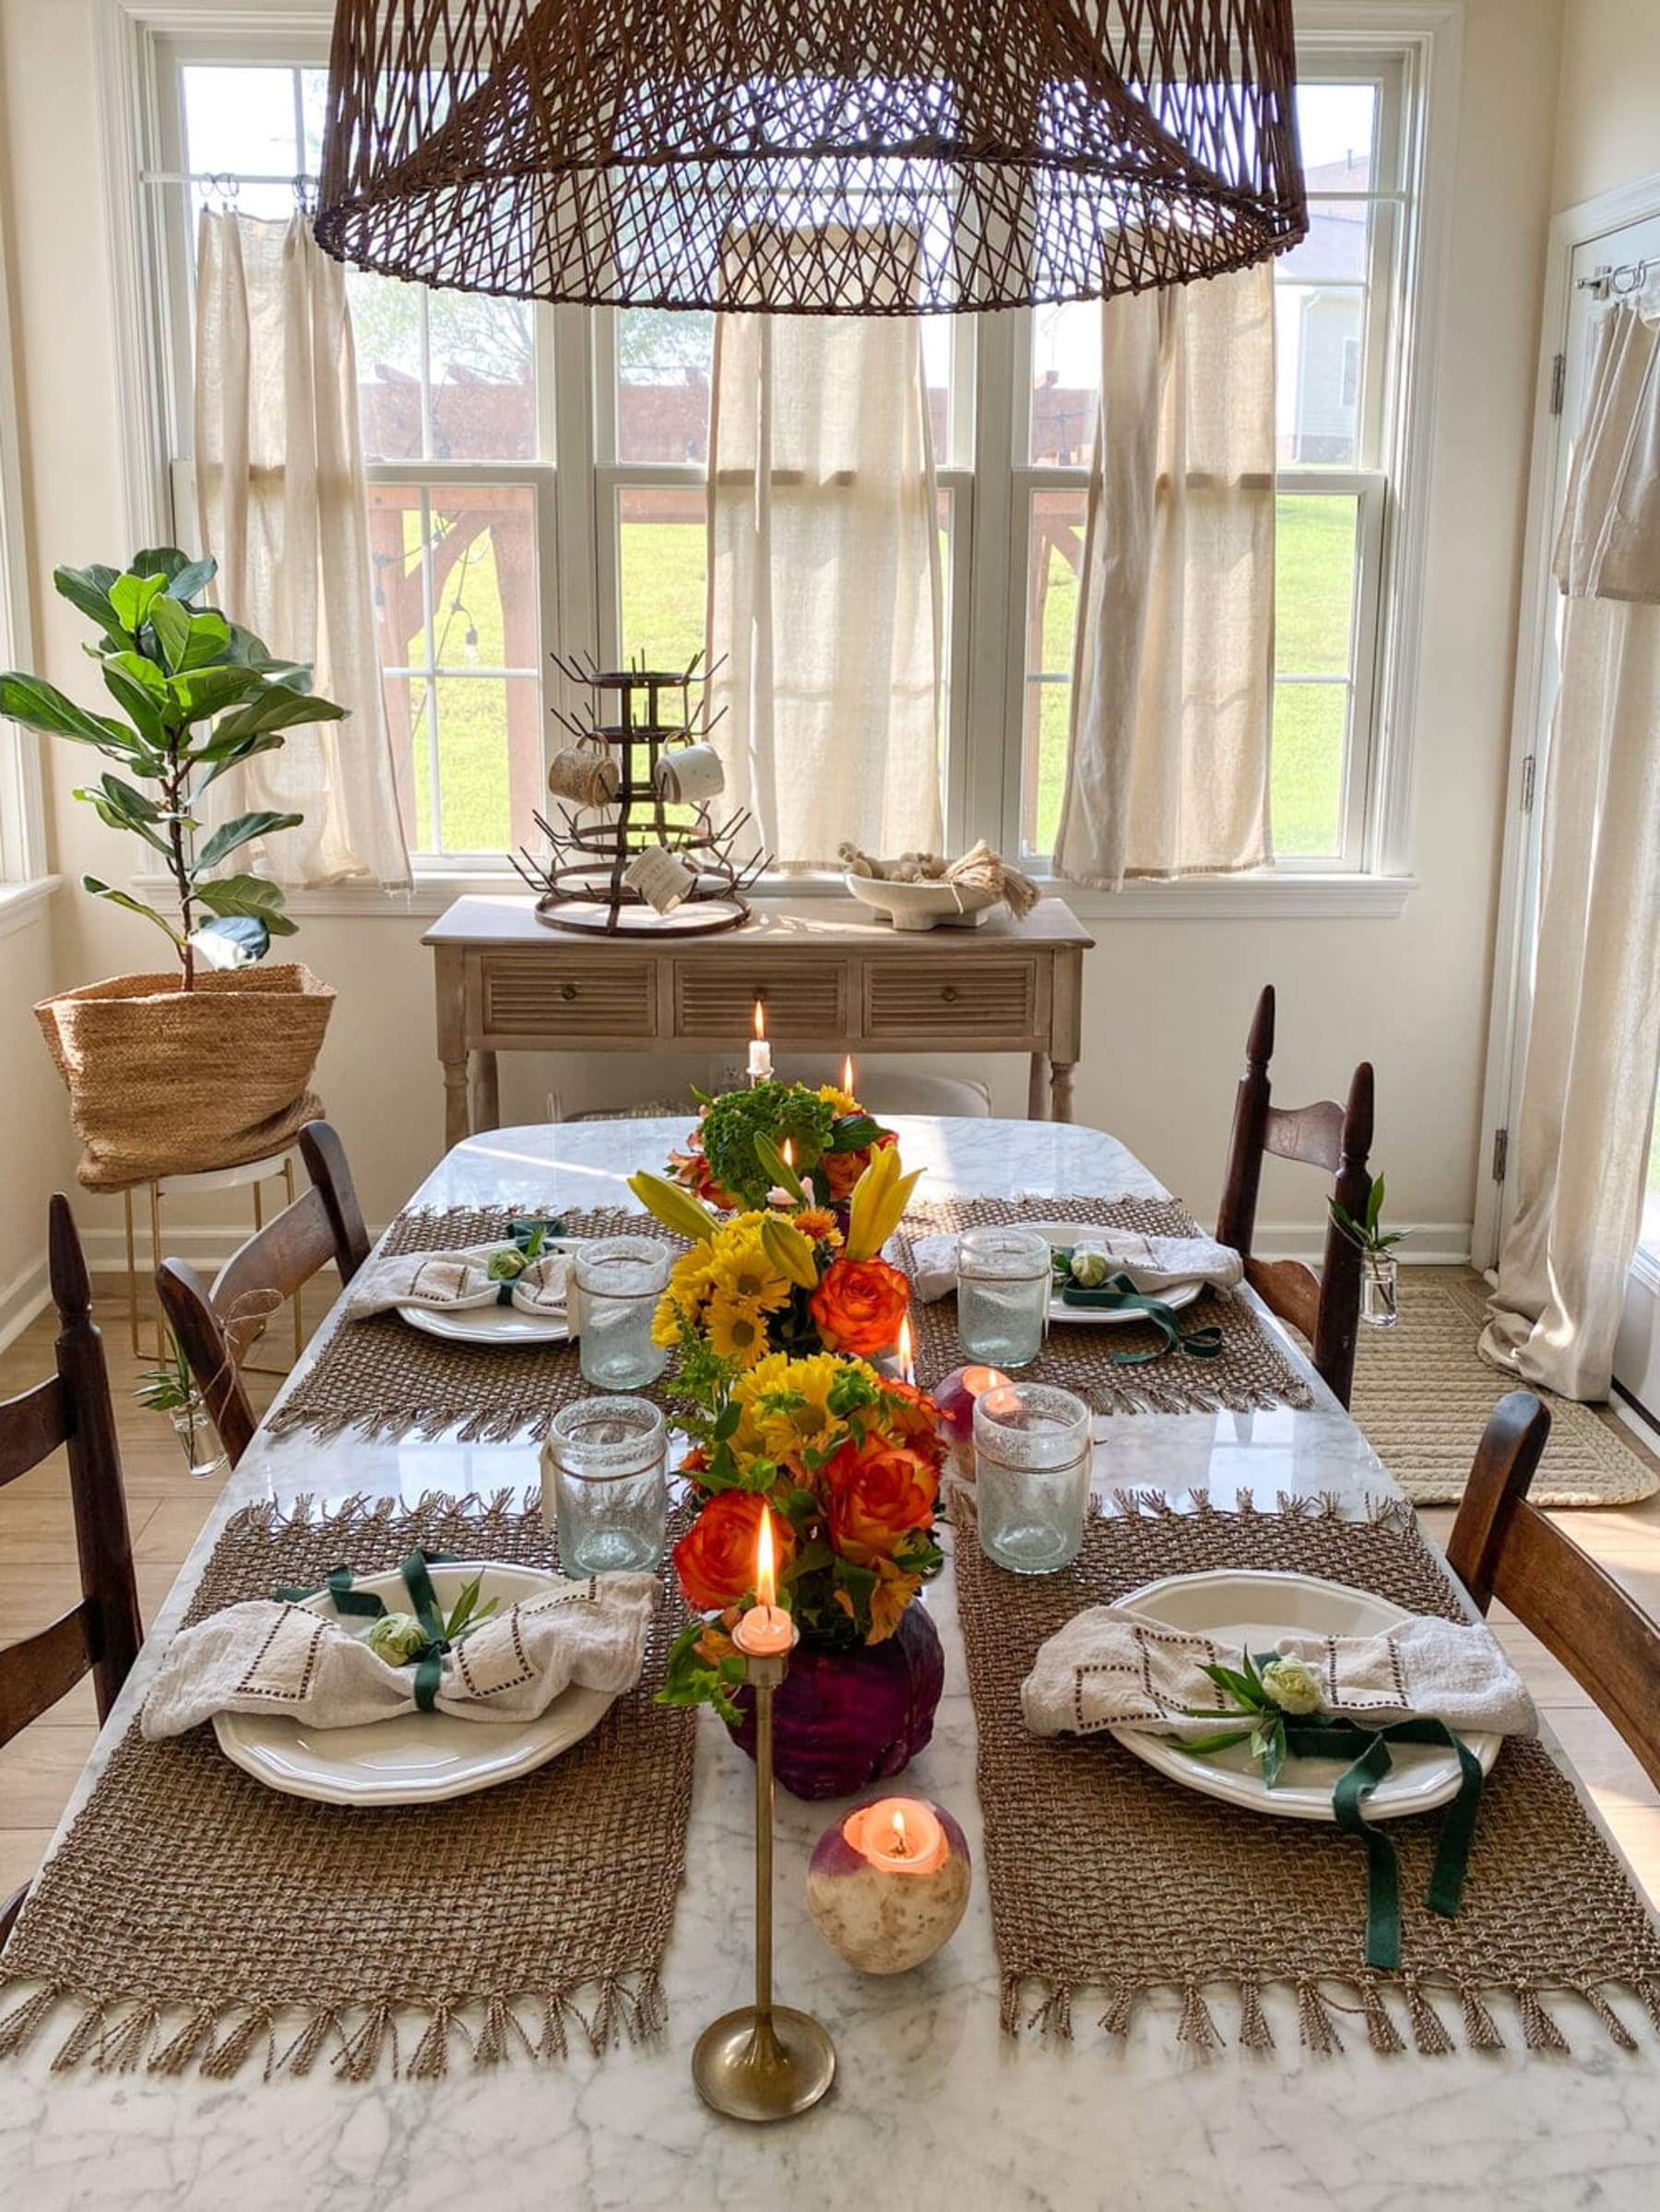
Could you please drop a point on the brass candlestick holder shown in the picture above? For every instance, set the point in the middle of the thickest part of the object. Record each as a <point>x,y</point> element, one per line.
<point>763,2062</point>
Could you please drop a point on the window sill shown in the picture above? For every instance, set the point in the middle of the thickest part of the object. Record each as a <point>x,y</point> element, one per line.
<point>23,904</point>
<point>1264,898</point>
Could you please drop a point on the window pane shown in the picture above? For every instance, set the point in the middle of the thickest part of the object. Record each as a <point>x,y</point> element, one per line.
<point>939,344</point>
<point>1066,384</point>
<point>1054,559</point>
<point>1314,583</point>
<point>385,322</point>
<point>663,364</point>
<point>481,377</point>
<point>1320,300</point>
<point>1337,126</point>
<point>1311,730</point>
<point>483,723</point>
<point>664,555</point>
<point>242,122</point>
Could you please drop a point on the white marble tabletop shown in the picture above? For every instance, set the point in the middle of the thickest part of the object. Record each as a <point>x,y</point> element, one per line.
<point>933,2106</point>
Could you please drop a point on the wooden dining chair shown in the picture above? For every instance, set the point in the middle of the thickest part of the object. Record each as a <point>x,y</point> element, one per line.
<point>1504,1547</point>
<point>101,1635</point>
<point>1326,1306</point>
<point>216,1327</point>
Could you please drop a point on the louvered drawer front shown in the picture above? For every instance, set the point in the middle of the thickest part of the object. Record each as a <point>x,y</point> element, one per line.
<point>959,998</point>
<point>716,998</point>
<point>533,994</point>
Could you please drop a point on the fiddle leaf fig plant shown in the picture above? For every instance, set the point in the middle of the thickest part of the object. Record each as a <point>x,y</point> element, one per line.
<point>197,697</point>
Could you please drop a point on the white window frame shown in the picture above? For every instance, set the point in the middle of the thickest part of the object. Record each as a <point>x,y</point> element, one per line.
<point>25,883</point>
<point>987,474</point>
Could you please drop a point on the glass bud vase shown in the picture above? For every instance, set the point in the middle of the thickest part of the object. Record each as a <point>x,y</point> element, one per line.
<point>198,1439</point>
<point>847,1718</point>
<point>1380,1290</point>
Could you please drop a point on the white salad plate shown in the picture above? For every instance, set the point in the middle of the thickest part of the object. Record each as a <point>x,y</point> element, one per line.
<point>415,1758</point>
<point>491,1325</point>
<point>1062,1236</point>
<point>1255,1610</point>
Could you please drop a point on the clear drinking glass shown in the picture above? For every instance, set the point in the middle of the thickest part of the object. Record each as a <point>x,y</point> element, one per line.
<point>1003,1295</point>
<point>619,1281</point>
<point>1031,1475</point>
<point>609,1460</point>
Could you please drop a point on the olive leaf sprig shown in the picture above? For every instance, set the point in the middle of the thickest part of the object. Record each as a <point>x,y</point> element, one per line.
<point>1264,1694</point>
<point>1367,1232</point>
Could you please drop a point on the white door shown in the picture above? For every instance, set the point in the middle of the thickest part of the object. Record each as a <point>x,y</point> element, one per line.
<point>1621,262</point>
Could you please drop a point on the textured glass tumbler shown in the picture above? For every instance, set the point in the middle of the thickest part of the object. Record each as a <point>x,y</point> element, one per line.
<point>1003,1278</point>
<point>609,1458</point>
<point>1032,1452</point>
<point>619,1281</point>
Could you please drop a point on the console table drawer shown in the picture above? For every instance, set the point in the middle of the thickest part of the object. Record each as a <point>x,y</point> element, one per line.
<point>564,995</point>
<point>964,999</point>
<point>716,999</point>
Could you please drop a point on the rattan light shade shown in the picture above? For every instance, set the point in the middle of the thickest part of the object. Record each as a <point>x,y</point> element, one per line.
<point>655,152</point>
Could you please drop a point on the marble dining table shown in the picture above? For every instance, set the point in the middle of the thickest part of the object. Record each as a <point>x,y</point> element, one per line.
<point>933,2105</point>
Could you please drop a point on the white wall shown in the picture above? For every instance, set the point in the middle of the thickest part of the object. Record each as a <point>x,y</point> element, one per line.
<point>1166,1002</point>
<point>1608,114</point>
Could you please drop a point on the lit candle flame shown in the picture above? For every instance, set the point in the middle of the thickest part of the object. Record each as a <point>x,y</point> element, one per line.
<point>908,1371</point>
<point>760,1018</point>
<point>901,1846</point>
<point>848,1075</point>
<point>766,1589</point>
<point>788,1153</point>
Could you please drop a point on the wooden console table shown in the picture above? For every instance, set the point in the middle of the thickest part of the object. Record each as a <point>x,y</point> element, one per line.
<point>832,976</point>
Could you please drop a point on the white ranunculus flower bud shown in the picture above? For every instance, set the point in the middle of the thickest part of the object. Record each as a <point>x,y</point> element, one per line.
<point>1090,1268</point>
<point>396,1637</point>
<point>1294,1687</point>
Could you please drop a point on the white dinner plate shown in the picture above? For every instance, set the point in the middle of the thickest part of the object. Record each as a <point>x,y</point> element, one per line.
<point>1256,1610</point>
<point>491,1325</point>
<point>415,1758</point>
<point>1061,1234</point>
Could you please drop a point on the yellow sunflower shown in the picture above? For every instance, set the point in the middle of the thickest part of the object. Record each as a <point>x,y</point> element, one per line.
<point>843,1101</point>
<point>737,1328</point>
<point>743,1273</point>
<point>688,1290</point>
<point>784,1403</point>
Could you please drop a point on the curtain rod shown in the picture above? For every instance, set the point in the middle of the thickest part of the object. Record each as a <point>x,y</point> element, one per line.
<point>1629,277</point>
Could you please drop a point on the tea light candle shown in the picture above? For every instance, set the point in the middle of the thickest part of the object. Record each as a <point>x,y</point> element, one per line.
<point>888,1883</point>
<point>760,1051</point>
<point>955,1395</point>
<point>765,1631</point>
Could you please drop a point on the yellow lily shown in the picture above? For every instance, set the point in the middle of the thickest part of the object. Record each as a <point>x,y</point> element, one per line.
<point>790,1251</point>
<point>880,1197</point>
<point>773,1164</point>
<point>675,1208</point>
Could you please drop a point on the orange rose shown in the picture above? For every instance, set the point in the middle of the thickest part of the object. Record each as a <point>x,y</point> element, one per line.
<point>716,1558</point>
<point>878,1492</point>
<point>913,1414</point>
<point>842,1170</point>
<point>859,1305</point>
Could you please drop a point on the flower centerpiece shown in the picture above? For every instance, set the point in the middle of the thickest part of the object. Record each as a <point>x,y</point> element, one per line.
<point>778,1315</point>
<point>830,1136</point>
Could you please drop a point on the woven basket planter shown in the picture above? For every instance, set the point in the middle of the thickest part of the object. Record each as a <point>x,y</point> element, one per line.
<point>165,1082</point>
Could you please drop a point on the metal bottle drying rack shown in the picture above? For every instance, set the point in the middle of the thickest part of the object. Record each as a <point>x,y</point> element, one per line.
<point>622,764</point>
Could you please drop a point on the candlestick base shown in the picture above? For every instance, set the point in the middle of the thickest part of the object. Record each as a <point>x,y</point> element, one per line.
<point>755,2066</point>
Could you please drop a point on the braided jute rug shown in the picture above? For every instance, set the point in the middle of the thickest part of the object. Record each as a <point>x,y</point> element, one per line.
<point>1109,1882</point>
<point>1423,1392</point>
<point>194,1920</point>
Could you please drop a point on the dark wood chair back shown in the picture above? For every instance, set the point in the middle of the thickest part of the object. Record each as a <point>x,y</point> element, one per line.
<point>1338,1139</point>
<point>1504,1547</point>
<point>72,1409</point>
<point>217,1327</point>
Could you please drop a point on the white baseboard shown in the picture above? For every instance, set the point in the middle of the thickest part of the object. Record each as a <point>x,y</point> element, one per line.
<point>20,1300</point>
<point>1431,1244</point>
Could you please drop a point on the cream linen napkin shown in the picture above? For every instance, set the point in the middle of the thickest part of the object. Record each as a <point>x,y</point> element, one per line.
<point>268,1656</point>
<point>1108,1668</point>
<point>1152,1263</point>
<point>451,1281</point>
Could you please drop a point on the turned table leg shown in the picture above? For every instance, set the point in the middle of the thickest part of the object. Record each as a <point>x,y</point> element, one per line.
<point>1037,1088</point>
<point>452,1043</point>
<point>487,1093</point>
<point>1060,1080</point>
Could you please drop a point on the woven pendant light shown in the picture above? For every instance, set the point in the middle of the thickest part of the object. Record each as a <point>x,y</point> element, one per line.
<point>678,153</point>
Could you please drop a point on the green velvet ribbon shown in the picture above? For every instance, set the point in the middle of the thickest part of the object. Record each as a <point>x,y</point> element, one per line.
<point>524,1232</point>
<point>1119,1295</point>
<point>424,1603</point>
<point>1367,1749</point>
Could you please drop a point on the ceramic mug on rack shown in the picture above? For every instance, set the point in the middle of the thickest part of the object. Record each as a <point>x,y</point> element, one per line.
<point>660,876</point>
<point>690,775</point>
<point>592,779</point>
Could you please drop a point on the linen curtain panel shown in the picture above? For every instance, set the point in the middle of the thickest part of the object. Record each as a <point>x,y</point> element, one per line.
<point>1172,699</point>
<point>1588,1083</point>
<point>282,504</point>
<point>825,586</point>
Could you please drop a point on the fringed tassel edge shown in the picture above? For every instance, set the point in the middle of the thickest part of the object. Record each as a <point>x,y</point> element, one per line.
<point>120,2036</point>
<point>1395,1513</point>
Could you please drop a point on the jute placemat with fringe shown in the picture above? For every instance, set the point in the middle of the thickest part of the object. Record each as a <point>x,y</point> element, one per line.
<point>386,1380</point>
<point>1251,1372</point>
<point>1110,1880</point>
<point>193,1917</point>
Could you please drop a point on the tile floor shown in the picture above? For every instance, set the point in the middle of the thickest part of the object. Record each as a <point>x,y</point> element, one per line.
<point>37,1580</point>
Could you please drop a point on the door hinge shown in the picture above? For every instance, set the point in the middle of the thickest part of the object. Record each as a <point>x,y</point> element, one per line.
<point>1527,784</point>
<point>1500,1154</point>
<point>1559,383</point>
